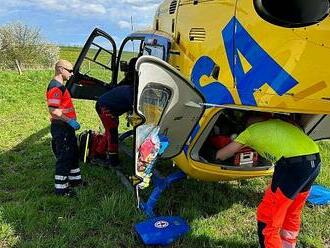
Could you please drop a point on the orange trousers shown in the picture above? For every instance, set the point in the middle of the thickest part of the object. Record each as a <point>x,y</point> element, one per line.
<point>279,219</point>
<point>279,213</point>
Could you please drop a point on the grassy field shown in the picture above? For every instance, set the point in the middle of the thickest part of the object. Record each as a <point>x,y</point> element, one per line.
<point>103,215</point>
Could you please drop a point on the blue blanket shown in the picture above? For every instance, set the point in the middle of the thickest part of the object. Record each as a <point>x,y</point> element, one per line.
<point>319,195</point>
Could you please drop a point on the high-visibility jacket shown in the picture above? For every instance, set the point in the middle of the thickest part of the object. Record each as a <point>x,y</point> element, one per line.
<point>59,97</point>
<point>274,139</point>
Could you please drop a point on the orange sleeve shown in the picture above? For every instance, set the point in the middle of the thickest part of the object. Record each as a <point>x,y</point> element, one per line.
<point>54,97</point>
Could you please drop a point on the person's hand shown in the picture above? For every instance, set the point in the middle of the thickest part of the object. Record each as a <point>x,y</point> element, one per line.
<point>74,124</point>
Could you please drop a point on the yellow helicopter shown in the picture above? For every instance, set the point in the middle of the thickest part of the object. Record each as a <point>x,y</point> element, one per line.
<point>206,63</point>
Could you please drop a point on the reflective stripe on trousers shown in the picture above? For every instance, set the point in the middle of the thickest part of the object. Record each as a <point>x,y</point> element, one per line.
<point>64,145</point>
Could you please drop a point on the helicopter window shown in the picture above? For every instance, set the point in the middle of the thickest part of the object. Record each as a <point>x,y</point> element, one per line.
<point>130,49</point>
<point>154,50</point>
<point>98,61</point>
<point>154,100</point>
<point>293,13</point>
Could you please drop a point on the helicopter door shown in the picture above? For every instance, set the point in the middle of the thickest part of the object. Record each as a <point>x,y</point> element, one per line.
<point>95,69</point>
<point>167,100</point>
<point>318,127</point>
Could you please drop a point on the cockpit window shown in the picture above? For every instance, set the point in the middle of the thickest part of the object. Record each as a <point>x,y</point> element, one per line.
<point>292,13</point>
<point>154,50</point>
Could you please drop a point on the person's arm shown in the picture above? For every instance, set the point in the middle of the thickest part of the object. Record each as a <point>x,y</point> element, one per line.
<point>57,113</point>
<point>228,151</point>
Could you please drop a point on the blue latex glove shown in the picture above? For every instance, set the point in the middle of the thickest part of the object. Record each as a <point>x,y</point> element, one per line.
<point>73,123</point>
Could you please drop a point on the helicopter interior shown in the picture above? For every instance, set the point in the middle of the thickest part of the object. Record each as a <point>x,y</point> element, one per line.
<point>225,125</point>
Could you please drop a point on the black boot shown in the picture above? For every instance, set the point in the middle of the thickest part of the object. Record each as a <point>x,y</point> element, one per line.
<point>112,160</point>
<point>70,193</point>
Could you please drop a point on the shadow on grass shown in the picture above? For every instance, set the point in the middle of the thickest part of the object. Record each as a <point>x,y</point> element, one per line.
<point>207,198</point>
<point>26,148</point>
<point>31,140</point>
<point>30,153</point>
<point>25,165</point>
<point>204,241</point>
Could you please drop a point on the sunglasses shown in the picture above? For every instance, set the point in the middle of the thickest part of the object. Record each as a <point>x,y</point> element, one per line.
<point>67,70</point>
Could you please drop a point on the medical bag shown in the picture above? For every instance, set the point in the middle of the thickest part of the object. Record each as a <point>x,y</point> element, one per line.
<point>246,157</point>
<point>162,230</point>
<point>88,140</point>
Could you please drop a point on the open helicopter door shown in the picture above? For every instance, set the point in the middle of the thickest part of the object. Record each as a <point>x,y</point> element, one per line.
<point>170,107</point>
<point>167,100</point>
<point>95,68</point>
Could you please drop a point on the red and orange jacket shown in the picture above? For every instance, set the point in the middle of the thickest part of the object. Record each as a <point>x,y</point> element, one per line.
<point>59,97</point>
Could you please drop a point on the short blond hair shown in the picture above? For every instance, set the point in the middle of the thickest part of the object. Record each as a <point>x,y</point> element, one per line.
<point>63,63</point>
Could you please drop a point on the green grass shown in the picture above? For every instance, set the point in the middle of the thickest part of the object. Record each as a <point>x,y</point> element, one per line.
<point>103,215</point>
<point>70,53</point>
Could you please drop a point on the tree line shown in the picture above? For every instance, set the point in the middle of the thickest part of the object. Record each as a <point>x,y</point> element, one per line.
<point>23,47</point>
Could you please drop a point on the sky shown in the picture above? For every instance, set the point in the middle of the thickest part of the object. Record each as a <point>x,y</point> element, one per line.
<point>70,22</point>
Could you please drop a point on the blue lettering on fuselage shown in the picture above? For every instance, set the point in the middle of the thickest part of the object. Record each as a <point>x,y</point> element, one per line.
<point>215,92</point>
<point>264,69</point>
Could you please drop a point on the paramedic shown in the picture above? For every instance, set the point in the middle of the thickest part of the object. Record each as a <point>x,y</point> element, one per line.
<point>109,107</point>
<point>63,126</point>
<point>297,164</point>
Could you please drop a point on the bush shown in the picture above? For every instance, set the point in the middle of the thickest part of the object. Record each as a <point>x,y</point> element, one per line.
<point>24,45</point>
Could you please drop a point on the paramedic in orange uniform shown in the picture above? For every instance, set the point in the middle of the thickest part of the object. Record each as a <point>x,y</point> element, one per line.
<point>63,125</point>
<point>297,164</point>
